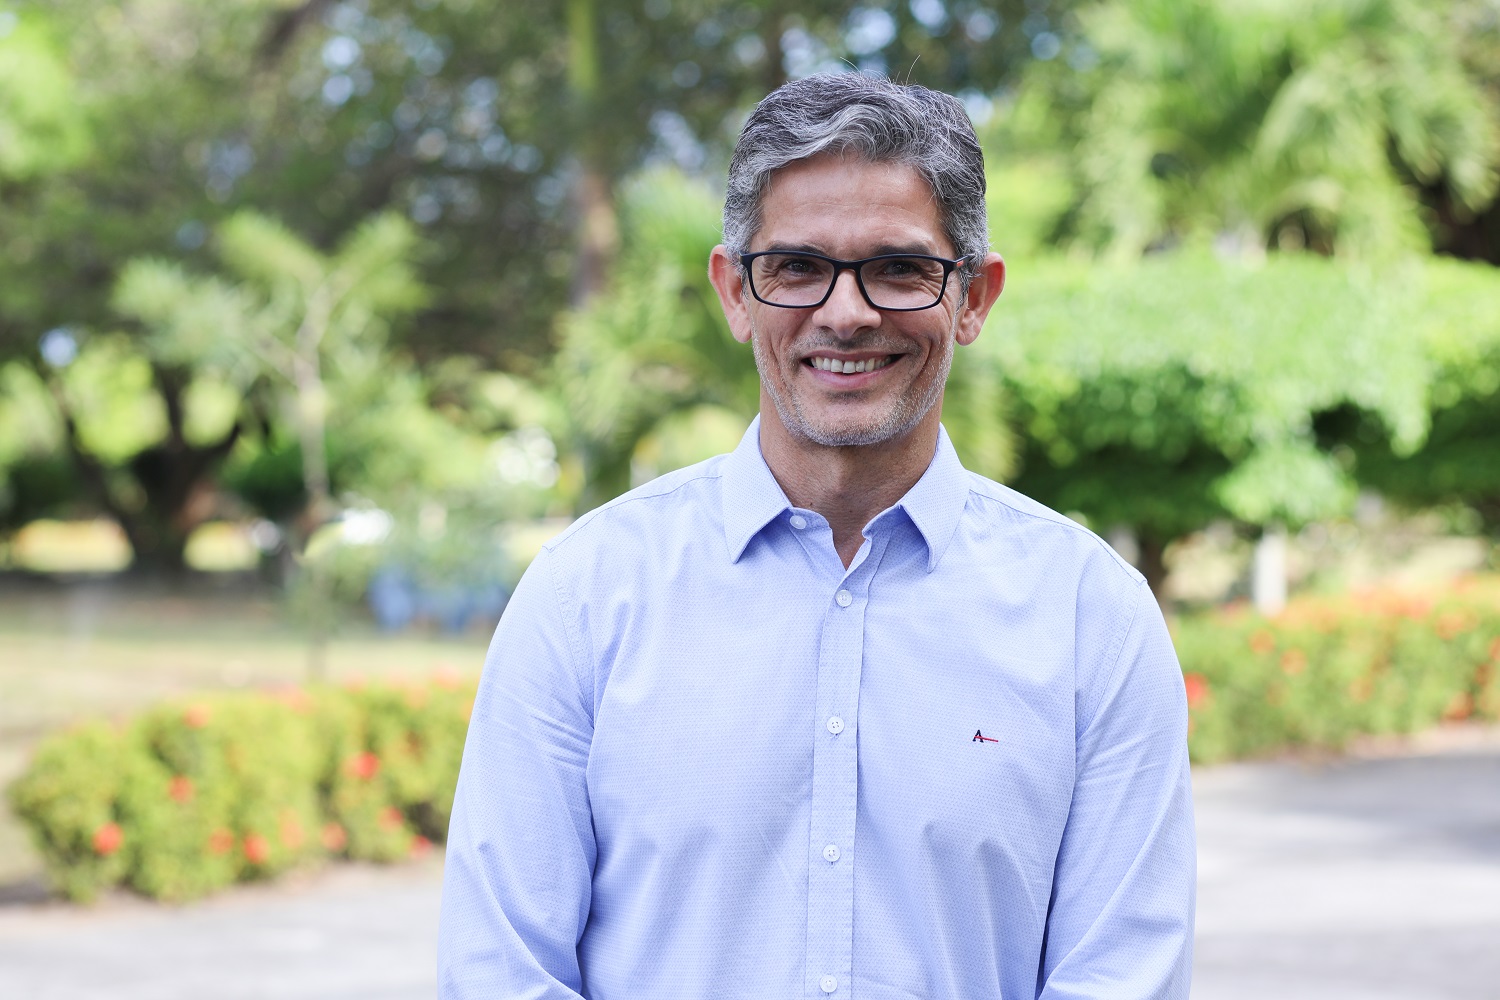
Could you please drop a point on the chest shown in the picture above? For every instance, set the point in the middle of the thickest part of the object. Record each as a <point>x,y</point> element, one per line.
<point>953,725</point>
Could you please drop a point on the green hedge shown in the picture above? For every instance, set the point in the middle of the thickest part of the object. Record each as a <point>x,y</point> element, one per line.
<point>193,796</point>
<point>1326,670</point>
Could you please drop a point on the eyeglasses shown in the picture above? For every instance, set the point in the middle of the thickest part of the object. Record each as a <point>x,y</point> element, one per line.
<point>895,282</point>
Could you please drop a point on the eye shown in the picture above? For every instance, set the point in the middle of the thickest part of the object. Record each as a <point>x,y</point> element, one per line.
<point>799,265</point>
<point>907,268</point>
<point>791,267</point>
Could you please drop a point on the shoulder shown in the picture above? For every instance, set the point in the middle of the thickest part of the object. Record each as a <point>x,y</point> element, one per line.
<point>1013,515</point>
<point>685,500</point>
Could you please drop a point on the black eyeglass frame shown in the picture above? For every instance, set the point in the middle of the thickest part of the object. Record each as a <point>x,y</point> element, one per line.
<point>949,266</point>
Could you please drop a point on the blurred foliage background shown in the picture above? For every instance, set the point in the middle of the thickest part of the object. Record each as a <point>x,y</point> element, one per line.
<point>374,286</point>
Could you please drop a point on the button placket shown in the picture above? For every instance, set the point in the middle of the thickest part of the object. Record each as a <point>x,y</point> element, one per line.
<point>830,910</point>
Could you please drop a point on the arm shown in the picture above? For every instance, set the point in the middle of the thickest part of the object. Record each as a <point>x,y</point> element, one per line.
<point>517,881</point>
<point>1120,924</point>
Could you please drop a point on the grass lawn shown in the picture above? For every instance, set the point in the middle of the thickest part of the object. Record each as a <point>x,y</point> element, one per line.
<point>107,647</point>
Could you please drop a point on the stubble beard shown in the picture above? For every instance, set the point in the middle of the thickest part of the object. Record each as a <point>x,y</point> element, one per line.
<point>905,413</point>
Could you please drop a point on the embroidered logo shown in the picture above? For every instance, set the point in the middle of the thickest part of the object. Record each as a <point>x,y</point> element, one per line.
<point>979,737</point>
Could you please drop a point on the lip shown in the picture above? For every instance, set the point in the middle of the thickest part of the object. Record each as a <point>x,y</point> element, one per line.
<point>858,380</point>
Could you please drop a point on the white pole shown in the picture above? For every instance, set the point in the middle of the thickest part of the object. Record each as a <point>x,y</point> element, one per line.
<point>1268,575</point>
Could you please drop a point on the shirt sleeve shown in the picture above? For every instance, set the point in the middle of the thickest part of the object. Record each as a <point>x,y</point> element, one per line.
<point>520,856</point>
<point>1120,923</point>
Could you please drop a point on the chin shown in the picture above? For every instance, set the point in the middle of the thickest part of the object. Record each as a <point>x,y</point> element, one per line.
<point>853,433</point>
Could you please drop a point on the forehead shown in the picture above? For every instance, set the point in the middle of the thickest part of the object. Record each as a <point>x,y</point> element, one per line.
<point>850,207</point>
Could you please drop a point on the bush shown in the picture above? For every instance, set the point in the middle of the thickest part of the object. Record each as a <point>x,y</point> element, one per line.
<point>193,796</point>
<point>1326,670</point>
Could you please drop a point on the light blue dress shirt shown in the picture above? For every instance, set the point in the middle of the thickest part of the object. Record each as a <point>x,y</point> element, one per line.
<point>706,760</point>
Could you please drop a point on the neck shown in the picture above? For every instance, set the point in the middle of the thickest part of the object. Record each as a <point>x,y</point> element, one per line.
<point>847,485</point>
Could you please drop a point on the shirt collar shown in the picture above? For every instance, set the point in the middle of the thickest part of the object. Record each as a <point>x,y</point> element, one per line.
<point>752,497</point>
<point>937,500</point>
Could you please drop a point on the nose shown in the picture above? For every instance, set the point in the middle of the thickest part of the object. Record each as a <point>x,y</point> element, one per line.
<point>847,311</point>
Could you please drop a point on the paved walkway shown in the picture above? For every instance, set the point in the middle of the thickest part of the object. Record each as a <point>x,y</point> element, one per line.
<point>1370,879</point>
<point>1358,880</point>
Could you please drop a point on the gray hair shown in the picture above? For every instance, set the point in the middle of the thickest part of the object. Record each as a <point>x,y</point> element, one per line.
<point>871,117</point>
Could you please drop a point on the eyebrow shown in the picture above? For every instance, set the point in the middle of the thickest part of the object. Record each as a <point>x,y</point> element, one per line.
<point>922,248</point>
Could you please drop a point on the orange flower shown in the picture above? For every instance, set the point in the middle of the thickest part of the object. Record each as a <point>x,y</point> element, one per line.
<point>108,839</point>
<point>291,830</point>
<point>420,845</point>
<point>364,765</point>
<point>1293,662</point>
<point>197,716</point>
<point>1262,642</point>
<point>1459,708</point>
<point>180,788</point>
<point>257,849</point>
<point>294,698</point>
<point>334,838</point>
<point>391,818</point>
<point>220,841</point>
<point>1361,688</point>
<point>1451,624</point>
<point>1197,689</point>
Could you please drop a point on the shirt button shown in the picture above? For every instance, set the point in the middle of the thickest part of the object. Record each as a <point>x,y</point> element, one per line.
<point>798,521</point>
<point>835,725</point>
<point>831,853</point>
<point>844,598</point>
<point>828,984</point>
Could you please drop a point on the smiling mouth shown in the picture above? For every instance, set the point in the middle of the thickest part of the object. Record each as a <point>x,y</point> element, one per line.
<point>838,367</point>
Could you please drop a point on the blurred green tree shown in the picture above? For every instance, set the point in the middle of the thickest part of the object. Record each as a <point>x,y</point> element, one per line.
<point>1186,388</point>
<point>289,313</point>
<point>495,128</point>
<point>1459,460</point>
<point>1267,124</point>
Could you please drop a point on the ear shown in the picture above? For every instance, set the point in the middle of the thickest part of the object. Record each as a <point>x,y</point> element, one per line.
<point>729,283</point>
<point>983,291</point>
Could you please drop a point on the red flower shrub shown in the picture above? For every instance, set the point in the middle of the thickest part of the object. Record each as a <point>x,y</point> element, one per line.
<point>334,837</point>
<point>1262,642</point>
<point>180,788</point>
<point>1197,689</point>
<point>291,831</point>
<point>364,765</point>
<point>221,841</point>
<point>196,716</point>
<point>391,818</point>
<point>108,839</point>
<point>420,845</point>
<point>257,849</point>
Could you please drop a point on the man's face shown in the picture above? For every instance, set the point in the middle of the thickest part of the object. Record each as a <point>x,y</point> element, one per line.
<point>850,209</point>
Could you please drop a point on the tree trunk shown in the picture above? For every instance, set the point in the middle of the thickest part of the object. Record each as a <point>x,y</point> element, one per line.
<point>593,189</point>
<point>1152,563</point>
<point>312,417</point>
<point>174,478</point>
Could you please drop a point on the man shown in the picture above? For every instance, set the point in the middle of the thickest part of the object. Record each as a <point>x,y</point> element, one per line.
<point>830,716</point>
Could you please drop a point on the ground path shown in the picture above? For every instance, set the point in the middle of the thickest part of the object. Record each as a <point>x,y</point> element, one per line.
<point>1372,878</point>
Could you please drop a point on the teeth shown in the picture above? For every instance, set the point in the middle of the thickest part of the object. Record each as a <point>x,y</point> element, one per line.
<point>848,367</point>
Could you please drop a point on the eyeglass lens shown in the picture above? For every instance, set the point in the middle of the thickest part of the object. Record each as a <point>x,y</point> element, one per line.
<point>789,279</point>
